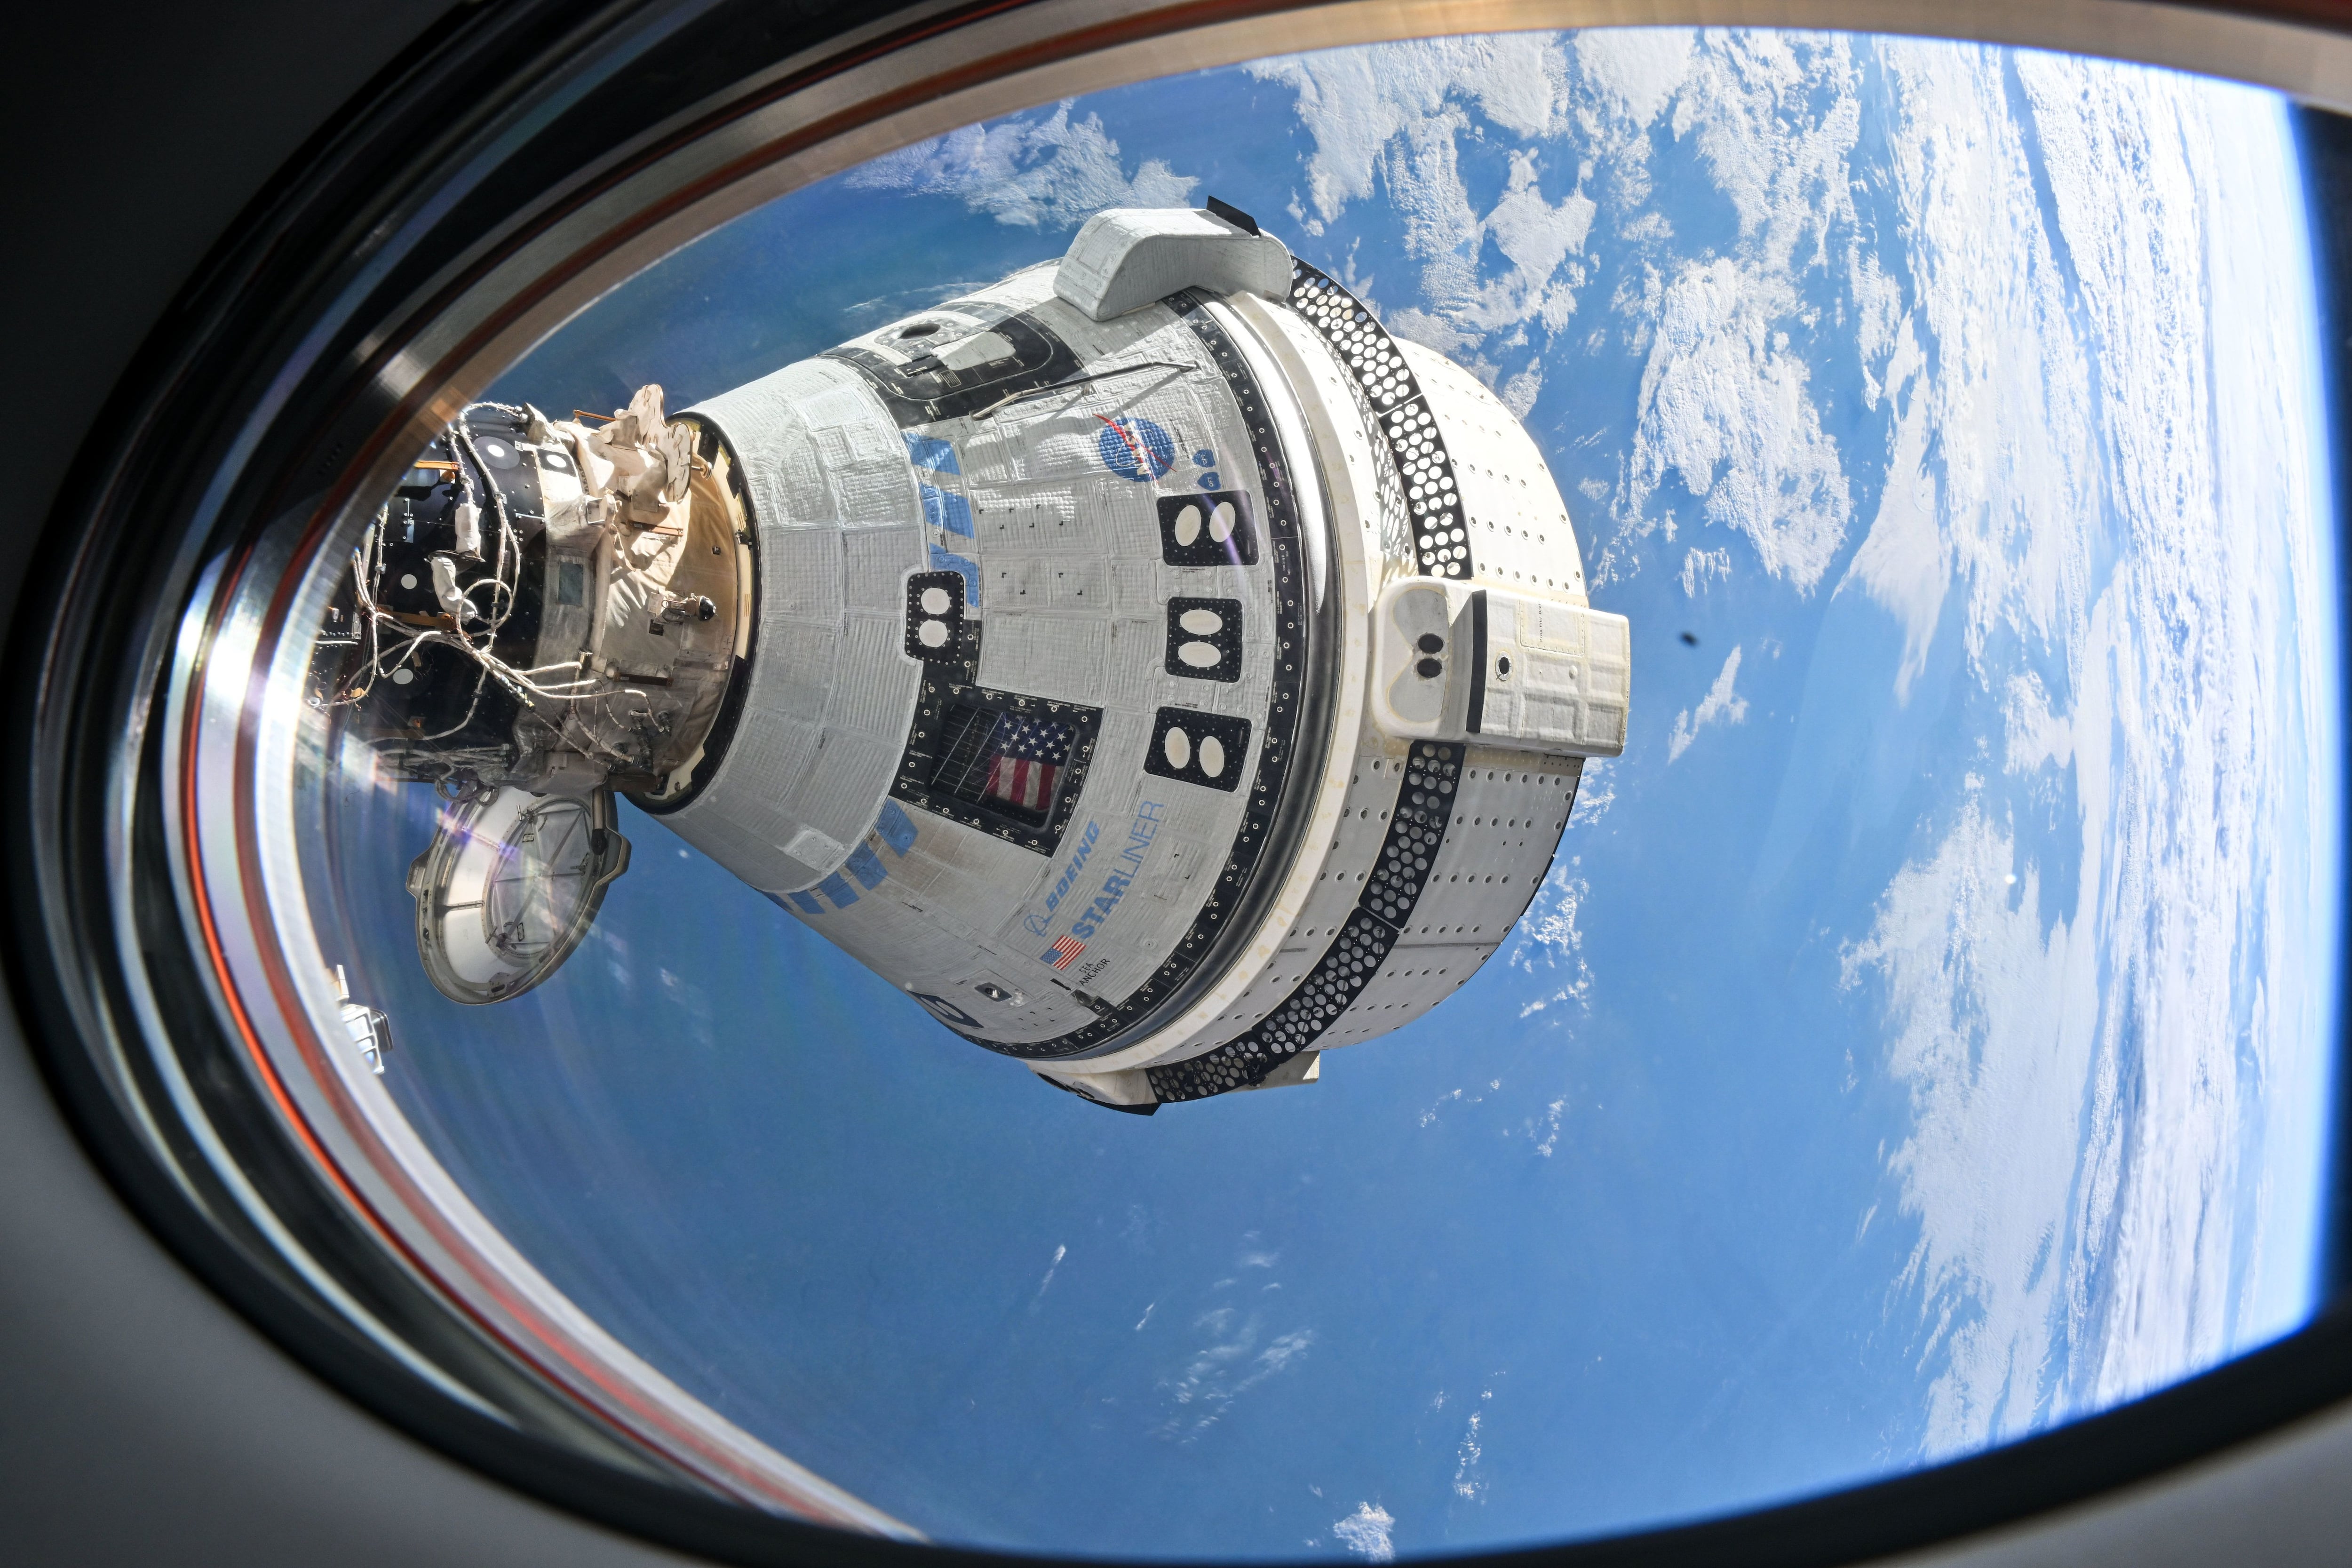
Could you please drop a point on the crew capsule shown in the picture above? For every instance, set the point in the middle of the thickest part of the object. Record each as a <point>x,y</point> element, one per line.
<point>1148,664</point>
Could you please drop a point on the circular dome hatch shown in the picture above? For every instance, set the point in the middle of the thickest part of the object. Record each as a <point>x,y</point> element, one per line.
<point>509,887</point>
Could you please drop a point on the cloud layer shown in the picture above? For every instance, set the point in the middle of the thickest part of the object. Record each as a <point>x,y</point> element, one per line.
<point>2104,1053</point>
<point>2058,295</point>
<point>1044,172</point>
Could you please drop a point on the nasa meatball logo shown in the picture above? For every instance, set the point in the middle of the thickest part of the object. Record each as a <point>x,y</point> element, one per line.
<point>1134,447</point>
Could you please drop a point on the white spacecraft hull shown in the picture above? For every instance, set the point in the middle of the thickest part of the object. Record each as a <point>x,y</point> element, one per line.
<point>1148,664</point>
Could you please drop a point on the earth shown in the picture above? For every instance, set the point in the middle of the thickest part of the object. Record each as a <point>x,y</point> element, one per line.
<point>1923,1034</point>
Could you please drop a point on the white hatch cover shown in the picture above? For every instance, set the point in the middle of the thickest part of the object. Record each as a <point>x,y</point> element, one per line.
<point>509,887</point>
<point>1527,671</point>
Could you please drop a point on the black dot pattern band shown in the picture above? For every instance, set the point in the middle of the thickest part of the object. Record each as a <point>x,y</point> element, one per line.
<point>1328,990</point>
<point>1416,828</point>
<point>1441,530</point>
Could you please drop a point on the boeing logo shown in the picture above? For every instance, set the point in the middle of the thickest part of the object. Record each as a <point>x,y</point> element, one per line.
<point>1039,924</point>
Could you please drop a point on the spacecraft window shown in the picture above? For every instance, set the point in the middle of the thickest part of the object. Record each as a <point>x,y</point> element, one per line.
<point>630,803</point>
<point>1012,763</point>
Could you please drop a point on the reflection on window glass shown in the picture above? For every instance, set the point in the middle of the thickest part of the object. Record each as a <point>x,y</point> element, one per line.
<point>1919,1035</point>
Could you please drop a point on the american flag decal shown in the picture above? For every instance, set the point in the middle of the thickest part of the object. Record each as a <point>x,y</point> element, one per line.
<point>1009,762</point>
<point>1026,756</point>
<point>1060,954</point>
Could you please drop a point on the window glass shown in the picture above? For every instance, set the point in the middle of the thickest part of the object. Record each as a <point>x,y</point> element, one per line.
<point>1919,1035</point>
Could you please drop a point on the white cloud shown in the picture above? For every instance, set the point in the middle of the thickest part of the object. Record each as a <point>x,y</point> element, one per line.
<point>1992,1027</point>
<point>1548,930</point>
<point>1228,1365</point>
<point>1356,101</point>
<point>1550,1139</point>
<point>1993,479</point>
<point>1051,1269</point>
<point>1701,567</point>
<point>1776,116</point>
<point>1032,173</point>
<point>2199,658</point>
<point>1519,393</point>
<point>1904,561</point>
<point>1633,71</point>
<point>1724,408</point>
<point>1719,706</point>
<point>1418,326</point>
<point>2036,735</point>
<point>1397,112</point>
<point>1468,1484</point>
<point>1366,1532</point>
<point>1596,792</point>
<point>2098,1052</point>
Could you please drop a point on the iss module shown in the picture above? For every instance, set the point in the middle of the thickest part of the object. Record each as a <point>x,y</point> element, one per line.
<point>1148,664</point>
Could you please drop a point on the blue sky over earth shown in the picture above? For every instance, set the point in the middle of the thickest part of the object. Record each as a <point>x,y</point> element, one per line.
<point>1922,1034</point>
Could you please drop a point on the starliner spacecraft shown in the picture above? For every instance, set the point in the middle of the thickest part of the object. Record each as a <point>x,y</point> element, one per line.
<point>1148,664</point>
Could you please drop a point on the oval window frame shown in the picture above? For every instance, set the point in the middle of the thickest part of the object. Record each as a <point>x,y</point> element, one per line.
<point>404,259</point>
